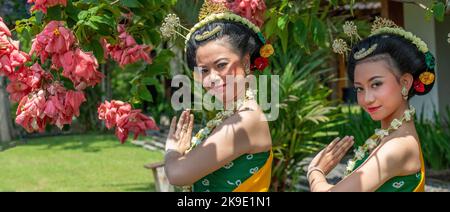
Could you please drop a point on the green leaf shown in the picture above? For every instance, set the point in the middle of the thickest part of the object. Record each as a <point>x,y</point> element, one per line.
<point>282,21</point>
<point>319,31</point>
<point>72,12</point>
<point>103,20</point>
<point>54,13</point>
<point>271,27</point>
<point>91,25</point>
<point>94,10</point>
<point>284,36</point>
<point>156,69</point>
<point>83,15</point>
<point>131,3</point>
<point>150,81</point>
<point>135,67</point>
<point>144,93</point>
<point>39,16</point>
<point>439,11</point>
<point>300,33</point>
<point>98,50</point>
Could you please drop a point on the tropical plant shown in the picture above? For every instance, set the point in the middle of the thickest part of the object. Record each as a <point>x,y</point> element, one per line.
<point>434,138</point>
<point>306,114</point>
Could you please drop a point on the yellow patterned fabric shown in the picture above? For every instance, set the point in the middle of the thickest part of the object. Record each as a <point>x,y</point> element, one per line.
<point>260,181</point>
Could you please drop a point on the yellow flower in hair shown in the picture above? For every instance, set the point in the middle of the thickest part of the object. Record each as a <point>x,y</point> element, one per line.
<point>427,78</point>
<point>266,51</point>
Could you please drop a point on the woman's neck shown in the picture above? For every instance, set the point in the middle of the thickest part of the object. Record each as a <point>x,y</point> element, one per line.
<point>398,114</point>
<point>231,105</point>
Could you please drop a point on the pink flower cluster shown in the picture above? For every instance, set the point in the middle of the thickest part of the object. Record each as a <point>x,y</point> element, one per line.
<point>253,10</point>
<point>121,115</point>
<point>127,51</point>
<point>51,105</point>
<point>41,100</point>
<point>25,80</point>
<point>54,40</point>
<point>10,55</point>
<point>58,42</point>
<point>42,5</point>
<point>81,68</point>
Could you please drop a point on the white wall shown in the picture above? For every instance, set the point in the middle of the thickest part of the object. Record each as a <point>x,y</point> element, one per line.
<point>434,34</point>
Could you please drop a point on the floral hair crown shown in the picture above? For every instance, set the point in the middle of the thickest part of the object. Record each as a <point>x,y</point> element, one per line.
<point>381,26</point>
<point>209,13</point>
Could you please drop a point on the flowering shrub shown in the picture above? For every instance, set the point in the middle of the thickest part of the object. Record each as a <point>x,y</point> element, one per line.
<point>120,115</point>
<point>253,10</point>
<point>42,5</point>
<point>127,51</point>
<point>70,39</point>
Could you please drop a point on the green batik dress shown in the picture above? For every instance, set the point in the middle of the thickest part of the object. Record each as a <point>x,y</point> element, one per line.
<point>229,177</point>
<point>409,183</point>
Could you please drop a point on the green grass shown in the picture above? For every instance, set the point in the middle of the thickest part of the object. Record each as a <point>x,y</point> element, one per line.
<point>77,163</point>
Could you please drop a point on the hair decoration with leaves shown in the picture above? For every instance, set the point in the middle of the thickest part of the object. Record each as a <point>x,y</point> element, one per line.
<point>209,13</point>
<point>386,26</point>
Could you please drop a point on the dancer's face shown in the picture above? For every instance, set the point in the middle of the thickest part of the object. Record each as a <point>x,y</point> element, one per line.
<point>216,60</point>
<point>379,89</point>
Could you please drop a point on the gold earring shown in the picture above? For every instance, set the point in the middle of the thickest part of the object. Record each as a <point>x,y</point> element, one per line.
<point>405,93</point>
<point>247,69</point>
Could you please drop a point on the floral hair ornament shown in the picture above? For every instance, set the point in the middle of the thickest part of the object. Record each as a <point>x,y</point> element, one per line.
<point>170,27</point>
<point>363,53</point>
<point>350,30</point>
<point>386,26</point>
<point>211,12</point>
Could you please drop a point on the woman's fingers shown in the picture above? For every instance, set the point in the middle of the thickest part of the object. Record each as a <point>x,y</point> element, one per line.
<point>338,144</point>
<point>173,126</point>
<point>187,134</point>
<point>344,145</point>
<point>180,124</point>
<point>332,144</point>
<point>185,124</point>
<point>191,125</point>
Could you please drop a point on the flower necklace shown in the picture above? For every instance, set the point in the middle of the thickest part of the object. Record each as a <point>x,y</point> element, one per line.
<point>213,123</point>
<point>218,120</point>
<point>375,139</point>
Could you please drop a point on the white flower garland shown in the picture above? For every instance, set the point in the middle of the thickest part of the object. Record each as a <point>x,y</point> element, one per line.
<point>222,16</point>
<point>375,139</point>
<point>219,119</point>
<point>421,45</point>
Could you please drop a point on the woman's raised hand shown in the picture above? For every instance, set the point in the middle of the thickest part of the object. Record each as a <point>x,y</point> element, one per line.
<point>328,158</point>
<point>180,135</point>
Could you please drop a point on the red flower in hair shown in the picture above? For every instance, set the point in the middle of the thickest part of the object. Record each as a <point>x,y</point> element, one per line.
<point>261,63</point>
<point>419,86</point>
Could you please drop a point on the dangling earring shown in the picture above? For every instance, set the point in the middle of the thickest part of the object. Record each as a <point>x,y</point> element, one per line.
<point>247,69</point>
<point>405,93</point>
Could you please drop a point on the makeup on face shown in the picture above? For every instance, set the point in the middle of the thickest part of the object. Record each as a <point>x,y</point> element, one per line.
<point>376,87</point>
<point>215,62</point>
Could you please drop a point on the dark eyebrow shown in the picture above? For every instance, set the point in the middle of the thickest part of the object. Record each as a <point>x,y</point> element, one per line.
<point>218,60</point>
<point>370,80</point>
<point>374,78</point>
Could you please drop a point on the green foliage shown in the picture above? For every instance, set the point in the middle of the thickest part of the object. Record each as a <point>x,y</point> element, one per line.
<point>436,10</point>
<point>357,124</point>
<point>302,24</point>
<point>434,137</point>
<point>306,114</point>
